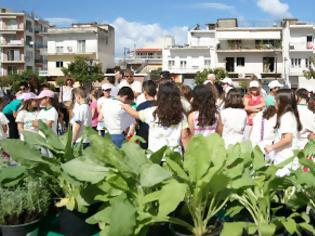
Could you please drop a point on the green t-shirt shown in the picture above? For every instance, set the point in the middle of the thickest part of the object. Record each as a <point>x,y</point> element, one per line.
<point>12,107</point>
<point>270,101</point>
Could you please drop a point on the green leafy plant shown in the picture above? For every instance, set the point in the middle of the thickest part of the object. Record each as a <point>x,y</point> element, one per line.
<point>266,197</point>
<point>201,76</point>
<point>310,72</point>
<point>32,154</point>
<point>25,202</point>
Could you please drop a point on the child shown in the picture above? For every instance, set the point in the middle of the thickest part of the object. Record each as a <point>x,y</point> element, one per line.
<point>306,117</point>
<point>204,118</point>
<point>27,114</point>
<point>263,131</point>
<point>106,89</point>
<point>93,108</point>
<point>3,124</point>
<point>287,127</point>
<point>82,117</point>
<point>116,120</point>
<point>234,118</point>
<point>167,121</point>
<point>48,114</point>
<point>142,129</point>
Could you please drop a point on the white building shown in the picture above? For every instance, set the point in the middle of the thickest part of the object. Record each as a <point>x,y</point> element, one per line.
<point>94,41</point>
<point>264,52</point>
<point>19,33</point>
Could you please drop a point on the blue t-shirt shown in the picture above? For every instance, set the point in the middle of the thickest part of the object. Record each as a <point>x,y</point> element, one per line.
<point>12,107</point>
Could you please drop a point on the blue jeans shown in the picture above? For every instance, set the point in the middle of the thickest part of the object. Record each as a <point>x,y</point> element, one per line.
<point>117,139</point>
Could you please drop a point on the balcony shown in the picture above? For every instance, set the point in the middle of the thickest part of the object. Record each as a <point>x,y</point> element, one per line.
<point>249,46</point>
<point>186,69</point>
<point>12,43</point>
<point>147,59</point>
<point>302,46</point>
<point>16,60</point>
<point>5,29</point>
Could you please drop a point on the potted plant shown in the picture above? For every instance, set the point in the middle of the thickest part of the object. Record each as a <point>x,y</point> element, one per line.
<point>74,198</point>
<point>22,206</point>
<point>270,201</point>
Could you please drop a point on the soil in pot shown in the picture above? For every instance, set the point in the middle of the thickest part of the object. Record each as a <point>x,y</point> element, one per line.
<point>27,229</point>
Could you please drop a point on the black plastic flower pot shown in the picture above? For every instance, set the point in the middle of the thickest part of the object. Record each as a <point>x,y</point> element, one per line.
<point>179,231</point>
<point>72,223</point>
<point>159,229</point>
<point>29,229</point>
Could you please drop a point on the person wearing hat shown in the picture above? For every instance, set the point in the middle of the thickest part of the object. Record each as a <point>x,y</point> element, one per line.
<point>48,114</point>
<point>107,90</point>
<point>274,86</point>
<point>253,101</point>
<point>227,84</point>
<point>27,114</point>
<point>210,79</point>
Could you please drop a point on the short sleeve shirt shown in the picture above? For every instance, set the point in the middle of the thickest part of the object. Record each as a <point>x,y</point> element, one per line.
<point>50,114</point>
<point>159,135</point>
<point>27,118</point>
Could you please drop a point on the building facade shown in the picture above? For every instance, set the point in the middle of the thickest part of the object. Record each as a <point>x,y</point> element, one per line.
<point>245,52</point>
<point>93,41</point>
<point>18,48</point>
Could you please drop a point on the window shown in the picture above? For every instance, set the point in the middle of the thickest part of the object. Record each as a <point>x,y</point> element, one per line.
<point>307,62</point>
<point>59,64</point>
<point>309,42</point>
<point>171,63</point>
<point>12,24</point>
<point>106,40</point>
<point>12,70</point>
<point>81,46</point>
<point>13,55</point>
<point>269,64</point>
<point>296,62</point>
<point>59,49</point>
<point>207,62</point>
<point>309,38</point>
<point>183,64</point>
<point>240,61</point>
<point>29,26</point>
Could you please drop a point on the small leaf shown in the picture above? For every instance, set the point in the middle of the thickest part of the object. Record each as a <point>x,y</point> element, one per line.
<point>152,174</point>
<point>235,229</point>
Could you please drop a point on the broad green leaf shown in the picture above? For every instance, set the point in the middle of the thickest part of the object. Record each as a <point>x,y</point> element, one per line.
<point>258,158</point>
<point>245,181</point>
<point>177,169</point>
<point>11,173</point>
<point>51,136</point>
<point>69,155</point>
<point>307,227</point>
<point>197,158</point>
<point>152,174</point>
<point>234,228</point>
<point>122,218</point>
<point>267,229</point>
<point>101,216</point>
<point>84,169</point>
<point>158,155</point>
<point>290,225</point>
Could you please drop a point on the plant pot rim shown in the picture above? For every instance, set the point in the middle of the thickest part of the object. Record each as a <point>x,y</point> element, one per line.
<point>214,232</point>
<point>20,225</point>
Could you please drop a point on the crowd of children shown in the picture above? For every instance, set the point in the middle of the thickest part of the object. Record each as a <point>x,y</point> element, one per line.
<point>163,113</point>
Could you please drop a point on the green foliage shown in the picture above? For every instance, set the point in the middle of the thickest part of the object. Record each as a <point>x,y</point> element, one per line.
<point>25,202</point>
<point>82,72</point>
<point>201,76</point>
<point>155,74</point>
<point>310,72</point>
<point>16,79</point>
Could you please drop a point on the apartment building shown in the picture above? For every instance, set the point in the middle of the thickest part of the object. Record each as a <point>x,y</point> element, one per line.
<point>94,41</point>
<point>264,52</point>
<point>40,28</point>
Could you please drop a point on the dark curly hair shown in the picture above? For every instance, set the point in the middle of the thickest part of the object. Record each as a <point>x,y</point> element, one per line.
<point>204,99</point>
<point>169,109</point>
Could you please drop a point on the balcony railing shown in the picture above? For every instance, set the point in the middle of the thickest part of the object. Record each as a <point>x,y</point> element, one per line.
<point>302,46</point>
<point>12,43</point>
<point>11,27</point>
<point>246,46</point>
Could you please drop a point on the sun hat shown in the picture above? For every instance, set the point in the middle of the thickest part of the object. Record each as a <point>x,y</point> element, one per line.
<point>29,96</point>
<point>227,81</point>
<point>46,93</point>
<point>274,84</point>
<point>107,86</point>
<point>254,84</point>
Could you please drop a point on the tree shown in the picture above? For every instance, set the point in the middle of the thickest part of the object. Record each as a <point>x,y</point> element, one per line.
<point>201,76</point>
<point>310,73</point>
<point>81,70</point>
<point>155,74</point>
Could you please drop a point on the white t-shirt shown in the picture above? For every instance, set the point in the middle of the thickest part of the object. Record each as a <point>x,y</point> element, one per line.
<point>160,136</point>
<point>234,122</point>
<point>114,91</point>
<point>136,86</point>
<point>307,119</point>
<point>288,124</point>
<point>263,132</point>
<point>82,115</point>
<point>186,105</point>
<point>116,119</point>
<point>3,121</point>
<point>100,102</point>
<point>50,114</point>
<point>27,118</point>
<point>140,99</point>
<point>66,94</point>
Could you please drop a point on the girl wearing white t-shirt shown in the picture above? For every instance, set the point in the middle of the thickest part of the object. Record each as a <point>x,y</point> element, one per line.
<point>204,118</point>
<point>287,127</point>
<point>167,122</point>
<point>263,128</point>
<point>27,114</point>
<point>234,118</point>
<point>48,114</point>
<point>3,126</point>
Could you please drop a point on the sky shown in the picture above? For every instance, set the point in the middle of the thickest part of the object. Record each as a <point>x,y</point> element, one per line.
<point>142,22</point>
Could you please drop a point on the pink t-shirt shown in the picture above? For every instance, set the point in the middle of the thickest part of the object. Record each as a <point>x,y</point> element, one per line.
<point>93,105</point>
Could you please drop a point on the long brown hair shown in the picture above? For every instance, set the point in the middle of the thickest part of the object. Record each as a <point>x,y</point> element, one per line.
<point>204,100</point>
<point>169,109</point>
<point>286,102</point>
